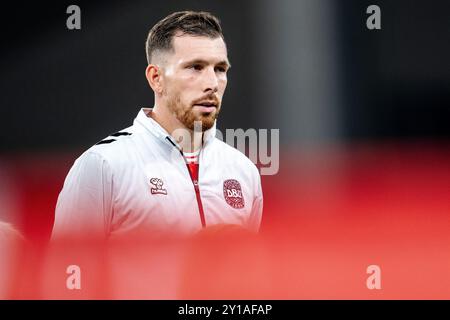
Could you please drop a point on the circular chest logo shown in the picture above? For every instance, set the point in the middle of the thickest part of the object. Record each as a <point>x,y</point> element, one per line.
<point>232,192</point>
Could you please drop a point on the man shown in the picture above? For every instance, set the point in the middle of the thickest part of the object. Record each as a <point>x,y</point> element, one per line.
<point>167,172</point>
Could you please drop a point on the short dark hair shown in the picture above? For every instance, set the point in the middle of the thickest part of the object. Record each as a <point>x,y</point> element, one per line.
<point>186,22</point>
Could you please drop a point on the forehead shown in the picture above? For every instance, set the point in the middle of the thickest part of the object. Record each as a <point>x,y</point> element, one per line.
<point>187,47</point>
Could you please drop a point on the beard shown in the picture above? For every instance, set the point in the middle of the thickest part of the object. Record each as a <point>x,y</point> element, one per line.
<point>186,114</point>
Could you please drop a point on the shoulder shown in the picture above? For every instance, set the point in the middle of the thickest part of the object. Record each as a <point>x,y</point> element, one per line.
<point>102,156</point>
<point>115,148</point>
<point>113,143</point>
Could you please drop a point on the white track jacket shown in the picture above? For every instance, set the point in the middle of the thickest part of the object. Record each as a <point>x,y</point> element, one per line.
<point>137,179</point>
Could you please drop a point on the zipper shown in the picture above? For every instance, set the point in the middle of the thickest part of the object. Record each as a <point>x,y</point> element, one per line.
<point>195,184</point>
<point>199,199</point>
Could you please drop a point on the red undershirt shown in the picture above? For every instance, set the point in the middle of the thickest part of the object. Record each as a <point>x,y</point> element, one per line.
<point>192,164</point>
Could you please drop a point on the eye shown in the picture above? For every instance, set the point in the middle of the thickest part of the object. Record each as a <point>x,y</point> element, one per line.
<point>196,67</point>
<point>221,69</point>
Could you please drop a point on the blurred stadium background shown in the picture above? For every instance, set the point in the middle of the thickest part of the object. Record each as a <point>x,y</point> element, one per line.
<point>364,119</point>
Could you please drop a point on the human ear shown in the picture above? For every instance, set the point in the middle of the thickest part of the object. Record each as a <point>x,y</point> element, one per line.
<point>153,73</point>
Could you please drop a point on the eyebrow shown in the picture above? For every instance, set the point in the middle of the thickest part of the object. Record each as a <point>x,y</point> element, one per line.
<point>201,61</point>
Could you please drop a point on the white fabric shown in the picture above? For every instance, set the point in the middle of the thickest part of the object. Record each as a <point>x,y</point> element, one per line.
<point>108,190</point>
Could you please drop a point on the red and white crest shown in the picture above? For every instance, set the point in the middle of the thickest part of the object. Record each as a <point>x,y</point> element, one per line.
<point>232,192</point>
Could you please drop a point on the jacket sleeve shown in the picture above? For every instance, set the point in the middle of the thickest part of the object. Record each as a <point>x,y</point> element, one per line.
<point>257,207</point>
<point>84,206</point>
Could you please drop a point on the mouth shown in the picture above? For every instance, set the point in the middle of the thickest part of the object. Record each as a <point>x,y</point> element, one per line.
<point>206,106</point>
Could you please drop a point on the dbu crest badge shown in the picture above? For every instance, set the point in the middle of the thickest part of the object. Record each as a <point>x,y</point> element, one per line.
<point>232,192</point>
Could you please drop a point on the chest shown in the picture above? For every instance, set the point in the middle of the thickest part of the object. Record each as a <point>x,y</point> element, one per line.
<point>161,195</point>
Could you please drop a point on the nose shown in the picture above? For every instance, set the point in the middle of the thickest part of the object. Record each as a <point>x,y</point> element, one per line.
<point>211,82</point>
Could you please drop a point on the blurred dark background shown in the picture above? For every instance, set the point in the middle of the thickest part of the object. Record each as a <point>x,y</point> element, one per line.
<point>310,68</point>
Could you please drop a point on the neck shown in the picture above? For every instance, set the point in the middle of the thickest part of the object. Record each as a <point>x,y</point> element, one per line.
<point>189,140</point>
